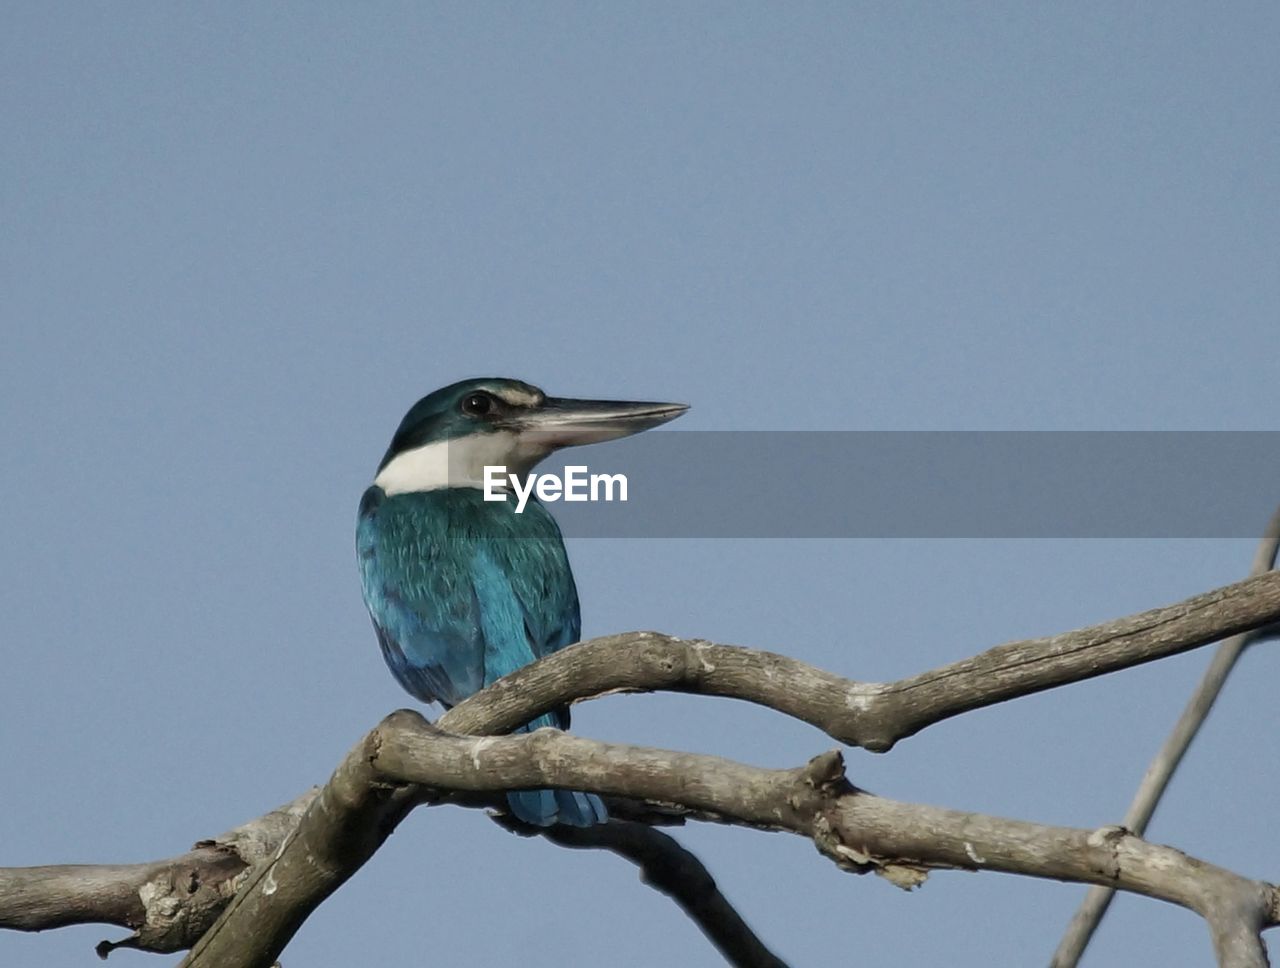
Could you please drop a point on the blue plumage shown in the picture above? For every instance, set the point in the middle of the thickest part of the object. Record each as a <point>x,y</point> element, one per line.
<point>463,591</point>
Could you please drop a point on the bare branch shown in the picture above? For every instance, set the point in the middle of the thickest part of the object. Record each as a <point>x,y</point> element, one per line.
<point>169,903</point>
<point>353,814</point>
<point>868,714</point>
<point>1160,772</point>
<point>668,867</point>
<point>858,831</point>
<point>349,819</point>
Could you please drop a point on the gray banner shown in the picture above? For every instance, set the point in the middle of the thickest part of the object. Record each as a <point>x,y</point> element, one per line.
<point>1085,484</point>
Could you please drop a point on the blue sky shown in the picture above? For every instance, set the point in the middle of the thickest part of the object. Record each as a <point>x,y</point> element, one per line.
<point>240,241</point>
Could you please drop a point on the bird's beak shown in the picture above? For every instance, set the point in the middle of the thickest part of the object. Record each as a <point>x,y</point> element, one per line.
<point>560,422</point>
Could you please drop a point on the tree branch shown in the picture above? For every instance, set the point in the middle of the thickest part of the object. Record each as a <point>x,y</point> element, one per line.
<point>1160,772</point>
<point>36,898</point>
<point>353,814</point>
<point>858,831</point>
<point>668,867</point>
<point>872,715</point>
<point>168,904</point>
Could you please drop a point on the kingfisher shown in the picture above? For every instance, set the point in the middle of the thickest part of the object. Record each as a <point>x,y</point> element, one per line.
<point>462,589</point>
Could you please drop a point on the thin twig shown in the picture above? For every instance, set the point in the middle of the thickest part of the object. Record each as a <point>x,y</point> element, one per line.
<point>1165,763</point>
<point>667,866</point>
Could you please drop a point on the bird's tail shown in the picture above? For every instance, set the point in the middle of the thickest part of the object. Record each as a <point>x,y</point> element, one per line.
<point>542,808</point>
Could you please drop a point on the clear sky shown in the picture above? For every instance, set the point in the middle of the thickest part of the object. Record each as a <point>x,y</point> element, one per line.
<point>240,239</point>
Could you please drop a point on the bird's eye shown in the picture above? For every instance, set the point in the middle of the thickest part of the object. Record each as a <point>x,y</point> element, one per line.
<point>477,404</point>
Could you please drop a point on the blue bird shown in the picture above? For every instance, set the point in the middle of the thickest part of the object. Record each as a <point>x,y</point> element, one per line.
<point>464,590</point>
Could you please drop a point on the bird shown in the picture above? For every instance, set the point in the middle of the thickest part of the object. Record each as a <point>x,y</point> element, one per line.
<point>464,590</point>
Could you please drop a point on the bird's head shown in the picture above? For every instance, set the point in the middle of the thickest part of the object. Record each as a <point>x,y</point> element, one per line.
<point>448,437</point>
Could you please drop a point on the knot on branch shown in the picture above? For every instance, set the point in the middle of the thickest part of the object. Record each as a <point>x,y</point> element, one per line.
<point>183,900</point>
<point>823,785</point>
<point>820,785</point>
<point>667,662</point>
<point>1107,841</point>
<point>825,774</point>
<point>404,720</point>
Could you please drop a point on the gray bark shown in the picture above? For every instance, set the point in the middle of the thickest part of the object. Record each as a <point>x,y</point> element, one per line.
<point>670,868</point>
<point>1166,761</point>
<point>858,831</point>
<point>873,715</point>
<point>168,903</point>
<point>269,875</point>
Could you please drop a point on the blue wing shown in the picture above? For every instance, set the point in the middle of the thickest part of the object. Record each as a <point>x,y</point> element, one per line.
<point>462,593</point>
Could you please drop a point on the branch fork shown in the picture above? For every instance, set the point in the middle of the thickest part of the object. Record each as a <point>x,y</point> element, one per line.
<point>262,880</point>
